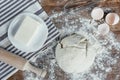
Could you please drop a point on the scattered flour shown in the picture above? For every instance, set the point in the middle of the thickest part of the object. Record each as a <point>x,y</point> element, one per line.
<point>75,23</point>
<point>104,60</point>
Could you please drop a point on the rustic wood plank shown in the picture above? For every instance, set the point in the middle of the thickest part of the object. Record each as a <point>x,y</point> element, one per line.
<point>49,5</point>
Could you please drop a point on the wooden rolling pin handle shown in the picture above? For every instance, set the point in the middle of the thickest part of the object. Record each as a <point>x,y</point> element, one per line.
<point>19,62</point>
<point>39,72</point>
<point>12,59</point>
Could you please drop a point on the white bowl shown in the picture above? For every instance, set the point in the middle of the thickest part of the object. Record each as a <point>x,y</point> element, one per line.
<point>40,38</point>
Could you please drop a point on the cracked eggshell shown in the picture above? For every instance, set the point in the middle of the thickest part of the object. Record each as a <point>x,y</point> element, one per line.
<point>103,29</point>
<point>112,18</point>
<point>97,13</point>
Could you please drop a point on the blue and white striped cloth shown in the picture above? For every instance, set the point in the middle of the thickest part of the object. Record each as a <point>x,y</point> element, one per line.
<point>9,9</point>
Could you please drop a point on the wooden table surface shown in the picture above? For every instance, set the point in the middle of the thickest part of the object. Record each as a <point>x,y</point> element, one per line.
<point>51,4</point>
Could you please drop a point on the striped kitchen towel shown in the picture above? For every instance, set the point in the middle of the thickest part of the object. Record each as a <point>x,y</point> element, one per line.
<point>9,9</point>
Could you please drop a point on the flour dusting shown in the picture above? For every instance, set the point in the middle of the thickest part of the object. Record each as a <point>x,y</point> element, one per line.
<point>75,22</point>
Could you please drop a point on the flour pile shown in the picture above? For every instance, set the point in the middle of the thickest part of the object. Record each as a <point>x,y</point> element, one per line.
<point>75,54</point>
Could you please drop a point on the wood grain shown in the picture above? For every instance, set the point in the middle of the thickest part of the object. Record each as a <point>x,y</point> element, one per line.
<point>50,5</point>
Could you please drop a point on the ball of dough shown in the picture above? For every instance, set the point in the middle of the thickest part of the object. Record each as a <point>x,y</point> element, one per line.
<point>74,54</point>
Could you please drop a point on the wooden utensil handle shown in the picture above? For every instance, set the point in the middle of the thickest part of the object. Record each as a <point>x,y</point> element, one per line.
<point>12,59</point>
<point>19,62</point>
<point>38,71</point>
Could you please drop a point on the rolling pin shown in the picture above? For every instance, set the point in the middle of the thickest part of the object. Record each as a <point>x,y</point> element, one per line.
<point>20,63</point>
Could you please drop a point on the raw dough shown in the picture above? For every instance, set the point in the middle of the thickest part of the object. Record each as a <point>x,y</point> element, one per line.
<point>74,54</point>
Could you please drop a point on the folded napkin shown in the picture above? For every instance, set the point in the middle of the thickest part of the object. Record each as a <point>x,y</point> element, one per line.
<point>9,9</point>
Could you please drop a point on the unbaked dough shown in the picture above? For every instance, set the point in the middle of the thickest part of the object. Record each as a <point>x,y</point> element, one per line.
<point>74,54</point>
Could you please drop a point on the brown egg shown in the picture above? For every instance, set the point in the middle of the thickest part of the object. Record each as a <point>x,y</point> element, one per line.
<point>112,18</point>
<point>97,13</point>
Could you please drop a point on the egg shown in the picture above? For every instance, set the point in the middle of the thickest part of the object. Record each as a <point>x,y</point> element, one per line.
<point>103,29</point>
<point>97,13</point>
<point>112,18</point>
